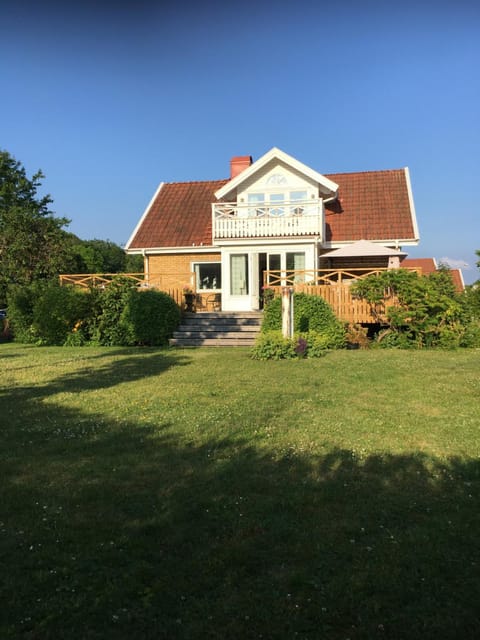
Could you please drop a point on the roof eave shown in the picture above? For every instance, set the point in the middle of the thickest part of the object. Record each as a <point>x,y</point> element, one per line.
<point>142,219</point>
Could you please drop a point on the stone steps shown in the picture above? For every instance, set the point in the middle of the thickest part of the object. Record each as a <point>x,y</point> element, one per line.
<point>218,329</point>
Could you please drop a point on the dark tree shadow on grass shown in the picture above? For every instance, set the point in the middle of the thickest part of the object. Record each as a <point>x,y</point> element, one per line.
<point>130,365</point>
<point>123,531</point>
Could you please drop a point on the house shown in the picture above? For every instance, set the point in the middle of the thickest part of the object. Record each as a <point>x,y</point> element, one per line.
<point>273,221</point>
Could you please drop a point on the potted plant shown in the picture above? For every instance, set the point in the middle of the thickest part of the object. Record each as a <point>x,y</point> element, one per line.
<point>189,295</point>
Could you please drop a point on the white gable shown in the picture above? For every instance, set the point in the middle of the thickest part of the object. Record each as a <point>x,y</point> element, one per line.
<point>277,171</point>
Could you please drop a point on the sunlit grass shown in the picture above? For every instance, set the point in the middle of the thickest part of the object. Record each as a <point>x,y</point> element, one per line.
<point>200,494</point>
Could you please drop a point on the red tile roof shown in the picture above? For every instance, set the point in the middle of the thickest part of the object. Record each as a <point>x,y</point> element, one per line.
<point>457,278</point>
<point>429,265</point>
<point>180,216</point>
<point>371,206</point>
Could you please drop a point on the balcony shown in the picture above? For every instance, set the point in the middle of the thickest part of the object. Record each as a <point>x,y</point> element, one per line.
<point>267,220</point>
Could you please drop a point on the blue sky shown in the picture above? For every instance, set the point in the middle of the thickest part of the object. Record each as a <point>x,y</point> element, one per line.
<point>110,99</point>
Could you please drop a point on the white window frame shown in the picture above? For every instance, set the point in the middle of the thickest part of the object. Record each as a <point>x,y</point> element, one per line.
<point>201,263</point>
<point>286,206</point>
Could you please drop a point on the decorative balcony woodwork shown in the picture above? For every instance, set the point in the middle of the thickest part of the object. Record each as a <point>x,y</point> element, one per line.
<point>267,220</point>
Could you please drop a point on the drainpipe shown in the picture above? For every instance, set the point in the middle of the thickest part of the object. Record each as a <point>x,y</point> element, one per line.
<point>145,266</point>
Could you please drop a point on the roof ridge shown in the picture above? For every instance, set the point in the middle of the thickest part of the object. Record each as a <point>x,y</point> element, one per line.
<point>197,181</point>
<point>356,173</point>
<point>332,173</point>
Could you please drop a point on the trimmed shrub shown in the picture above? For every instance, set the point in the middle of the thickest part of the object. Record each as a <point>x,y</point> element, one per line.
<point>152,315</point>
<point>311,313</point>
<point>57,311</point>
<point>131,317</point>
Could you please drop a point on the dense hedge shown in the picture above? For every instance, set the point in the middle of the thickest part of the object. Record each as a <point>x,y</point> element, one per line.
<point>119,315</point>
<point>153,316</point>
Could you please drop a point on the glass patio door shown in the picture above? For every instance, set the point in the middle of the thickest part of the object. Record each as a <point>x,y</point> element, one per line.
<point>236,296</point>
<point>239,274</point>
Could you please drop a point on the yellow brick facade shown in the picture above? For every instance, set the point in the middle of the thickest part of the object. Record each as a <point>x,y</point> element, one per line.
<point>174,270</point>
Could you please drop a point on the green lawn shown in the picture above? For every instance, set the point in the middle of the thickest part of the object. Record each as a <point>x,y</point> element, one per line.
<point>190,494</point>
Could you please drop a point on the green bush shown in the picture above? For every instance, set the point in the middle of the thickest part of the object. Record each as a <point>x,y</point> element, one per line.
<point>112,326</point>
<point>119,315</point>
<point>311,313</point>
<point>319,343</point>
<point>152,315</point>
<point>21,300</point>
<point>131,317</point>
<point>316,330</point>
<point>57,311</point>
<point>471,335</point>
<point>429,312</point>
<point>273,346</point>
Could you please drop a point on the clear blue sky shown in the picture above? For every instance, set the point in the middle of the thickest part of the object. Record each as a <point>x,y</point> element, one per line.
<point>109,99</point>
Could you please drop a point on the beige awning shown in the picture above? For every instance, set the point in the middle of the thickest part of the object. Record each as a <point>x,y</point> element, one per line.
<point>362,248</point>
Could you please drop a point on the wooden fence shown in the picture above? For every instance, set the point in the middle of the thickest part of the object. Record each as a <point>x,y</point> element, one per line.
<point>332,285</point>
<point>208,301</point>
<point>346,307</point>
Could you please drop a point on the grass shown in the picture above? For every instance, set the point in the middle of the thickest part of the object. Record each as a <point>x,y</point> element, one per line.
<point>199,494</point>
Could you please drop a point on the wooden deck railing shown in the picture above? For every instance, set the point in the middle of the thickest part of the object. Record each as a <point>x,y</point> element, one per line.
<point>334,286</point>
<point>346,307</point>
<point>89,280</point>
<point>310,277</point>
<point>204,301</point>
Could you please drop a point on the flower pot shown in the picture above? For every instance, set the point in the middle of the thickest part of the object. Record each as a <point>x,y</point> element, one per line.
<point>189,302</point>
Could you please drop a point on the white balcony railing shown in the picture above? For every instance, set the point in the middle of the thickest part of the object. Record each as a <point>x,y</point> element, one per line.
<point>279,219</point>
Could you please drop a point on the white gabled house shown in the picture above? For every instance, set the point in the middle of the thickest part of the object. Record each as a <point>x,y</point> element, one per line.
<point>272,216</point>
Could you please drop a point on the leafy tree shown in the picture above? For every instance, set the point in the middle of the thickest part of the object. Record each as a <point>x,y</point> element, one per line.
<point>32,240</point>
<point>472,297</point>
<point>134,263</point>
<point>101,256</point>
<point>427,309</point>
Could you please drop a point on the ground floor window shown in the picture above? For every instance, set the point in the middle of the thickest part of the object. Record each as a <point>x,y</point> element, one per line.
<point>208,275</point>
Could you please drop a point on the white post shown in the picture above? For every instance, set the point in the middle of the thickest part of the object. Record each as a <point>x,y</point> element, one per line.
<point>393,262</point>
<point>287,312</point>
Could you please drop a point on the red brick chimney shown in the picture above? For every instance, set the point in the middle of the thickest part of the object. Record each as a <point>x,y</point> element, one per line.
<point>239,164</point>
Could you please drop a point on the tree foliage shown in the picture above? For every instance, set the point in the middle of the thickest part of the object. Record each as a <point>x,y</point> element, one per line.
<point>119,315</point>
<point>427,311</point>
<point>32,239</point>
<point>101,256</point>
